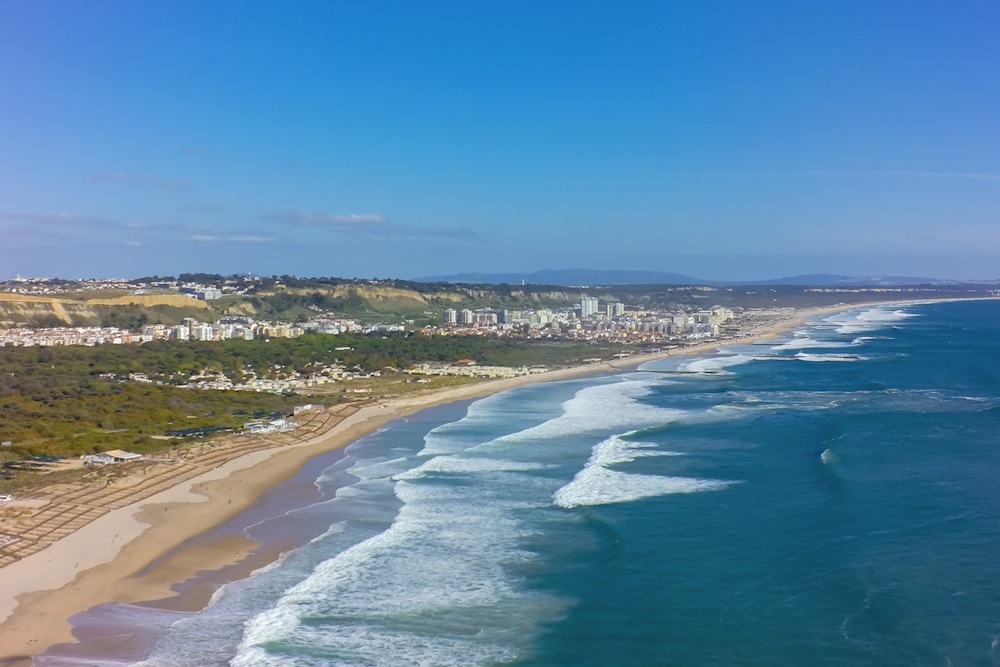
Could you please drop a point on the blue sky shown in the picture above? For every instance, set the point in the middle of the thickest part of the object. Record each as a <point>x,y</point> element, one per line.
<point>728,140</point>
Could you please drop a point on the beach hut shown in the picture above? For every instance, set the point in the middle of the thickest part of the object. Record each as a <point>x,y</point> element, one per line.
<point>120,456</point>
<point>113,456</point>
<point>96,459</point>
<point>258,427</point>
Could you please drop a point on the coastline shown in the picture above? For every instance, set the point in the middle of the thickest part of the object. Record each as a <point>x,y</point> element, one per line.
<point>136,553</point>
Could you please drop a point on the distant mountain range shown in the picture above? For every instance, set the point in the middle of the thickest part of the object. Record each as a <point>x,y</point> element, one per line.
<point>589,277</point>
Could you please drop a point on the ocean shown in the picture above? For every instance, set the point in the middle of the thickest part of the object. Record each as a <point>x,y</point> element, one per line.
<point>829,498</point>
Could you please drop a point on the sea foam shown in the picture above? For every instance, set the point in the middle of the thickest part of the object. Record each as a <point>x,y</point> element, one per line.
<point>602,407</point>
<point>806,343</point>
<point>515,409</point>
<point>599,484</point>
<point>804,356</point>
<point>429,590</point>
<point>438,585</point>
<point>854,321</point>
<point>715,364</point>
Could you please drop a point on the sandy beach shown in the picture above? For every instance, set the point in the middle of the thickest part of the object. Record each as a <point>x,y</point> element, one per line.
<point>138,551</point>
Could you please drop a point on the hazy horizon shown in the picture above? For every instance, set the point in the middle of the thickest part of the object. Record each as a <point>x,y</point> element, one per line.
<point>723,140</point>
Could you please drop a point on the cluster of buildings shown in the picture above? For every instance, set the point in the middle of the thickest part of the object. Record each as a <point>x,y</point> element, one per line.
<point>280,381</point>
<point>226,328</point>
<point>201,292</point>
<point>469,368</point>
<point>592,320</point>
<point>25,337</point>
<point>589,307</point>
<point>49,287</point>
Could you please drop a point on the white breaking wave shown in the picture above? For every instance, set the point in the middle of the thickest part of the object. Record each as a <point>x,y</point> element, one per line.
<point>716,364</point>
<point>430,590</point>
<point>803,356</point>
<point>379,469</point>
<point>468,464</point>
<point>805,343</point>
<point>853,322</point>
<point>435,587</point>
<point>597,484</point>
<point>438,587</point>
<point>515,408</point>
<point>602,407</point>
<point>726,412</point>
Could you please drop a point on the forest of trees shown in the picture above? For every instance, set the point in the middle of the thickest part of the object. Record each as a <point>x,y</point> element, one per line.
<point>175,361</point>
<point>61,415</point>
<point>76,399</point>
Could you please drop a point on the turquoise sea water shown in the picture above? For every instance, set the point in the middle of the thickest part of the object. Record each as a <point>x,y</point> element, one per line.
<point>828,499</point>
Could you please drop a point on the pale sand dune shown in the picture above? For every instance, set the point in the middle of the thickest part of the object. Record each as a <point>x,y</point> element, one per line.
<point>96,563</point>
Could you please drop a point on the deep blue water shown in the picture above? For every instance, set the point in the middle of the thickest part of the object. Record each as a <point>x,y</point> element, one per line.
<point>829,499</point>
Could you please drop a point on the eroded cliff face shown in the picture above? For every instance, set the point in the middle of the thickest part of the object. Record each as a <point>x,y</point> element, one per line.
<point>360,298</point>
<point>175,300</point>
<point>379,293</point>
<point>519,297</point>
<point>382,298</point>
<point>43,311</point>
<point>55,311</point>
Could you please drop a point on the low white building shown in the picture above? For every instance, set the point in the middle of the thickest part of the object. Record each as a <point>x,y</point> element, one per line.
<point>280,425</point>
<point>113,456</point>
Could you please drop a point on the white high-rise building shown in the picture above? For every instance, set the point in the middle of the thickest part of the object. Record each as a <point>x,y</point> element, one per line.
<point>588,306</point>
<point>202,332</point>
<point>451,316</point>
<point>486,319</point>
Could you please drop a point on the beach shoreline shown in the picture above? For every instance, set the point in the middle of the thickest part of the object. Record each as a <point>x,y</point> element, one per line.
<point>139,552</point>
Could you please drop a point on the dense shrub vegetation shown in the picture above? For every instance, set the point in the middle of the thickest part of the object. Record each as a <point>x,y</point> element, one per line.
<point>73,400</point>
